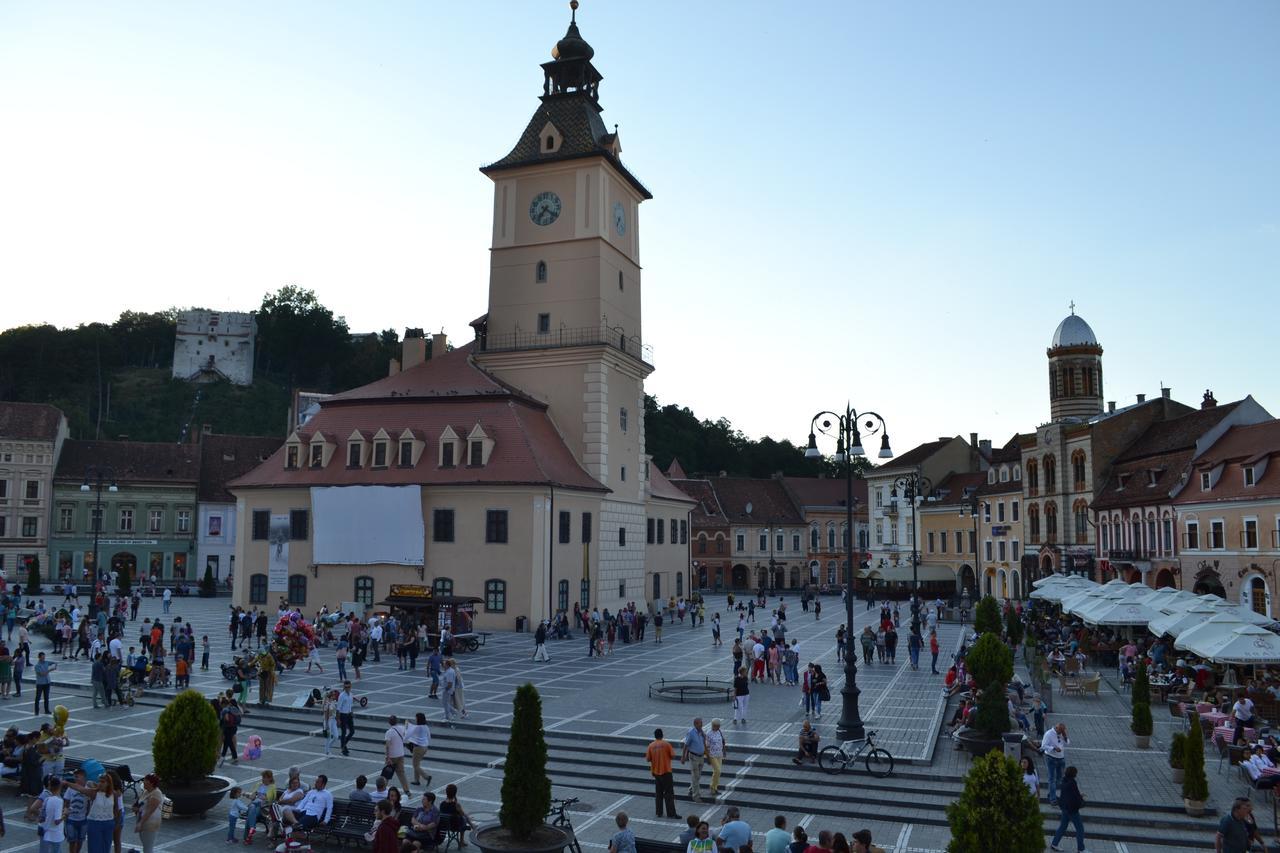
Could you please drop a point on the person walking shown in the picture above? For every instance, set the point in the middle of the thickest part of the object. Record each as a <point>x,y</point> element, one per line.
<point>346,717</point>
<point>1054,746</point>
<point>741,695</point>
<point>736,651</point>
<point>418,738</point>
<point>659,755</point>
<point>393,741</point>
<point>820,689</point>
<point>435,665</point>
<point>229,720</point>
<point>914,642</point>
<point>329,720</point>
<point>540,643</point>
<point>933,650</point>
<point>817,609</point>
<point>840,644</point>
<point>1071,801</point>
<point>43,682</point>
<point>1237,831</point>
<point>715,631</point>
<point>717,751</point>
<point>448,687</point>
<point>693,753</point>
<point>868,640</point>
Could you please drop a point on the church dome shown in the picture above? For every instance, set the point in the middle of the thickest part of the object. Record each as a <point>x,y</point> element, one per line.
<point>1073,331</point>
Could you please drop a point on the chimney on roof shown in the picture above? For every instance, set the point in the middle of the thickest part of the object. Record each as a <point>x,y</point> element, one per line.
<point>394,367</point>
<point>1111,406</point>
<point>439,344</point>
<point>973,439</point>
<point>413,350</point>
<point>985,445</point>
<point>1208,402</point>
<point>1165,392</point>
<point>1142,398</point>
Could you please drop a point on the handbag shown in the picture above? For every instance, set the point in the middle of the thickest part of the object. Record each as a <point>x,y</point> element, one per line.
<point>388,772</point>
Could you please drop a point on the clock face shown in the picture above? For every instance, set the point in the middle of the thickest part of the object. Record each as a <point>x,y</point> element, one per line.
<point>619,218</point>
<point>545,208</point>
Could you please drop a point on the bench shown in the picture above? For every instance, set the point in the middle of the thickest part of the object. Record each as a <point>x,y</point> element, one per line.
<point>649,845</point>
<point>349,822</point>
<point>71,765</point>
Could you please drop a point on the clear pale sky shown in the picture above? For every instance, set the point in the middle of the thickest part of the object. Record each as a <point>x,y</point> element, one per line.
<point>891,203</point>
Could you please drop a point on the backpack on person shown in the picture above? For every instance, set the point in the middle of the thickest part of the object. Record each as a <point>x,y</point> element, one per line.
<point>230,717</point>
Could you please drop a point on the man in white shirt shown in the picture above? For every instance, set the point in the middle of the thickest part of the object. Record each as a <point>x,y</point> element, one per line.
<point>117,649</point>
<point>346,716</point>
<point>1054,746</point>
<point>449,687</point>
<point>51,817</point>
<point>757,662</point>
<point>375,635</point>
<point>393,741</point>
<point>316,807</point>
<point>1242,711</point>
<point>168,598</point>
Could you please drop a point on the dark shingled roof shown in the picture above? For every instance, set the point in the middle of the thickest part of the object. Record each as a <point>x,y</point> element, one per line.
<point>769,499</point>
<point>133,461</point>
<point>825,491</point>
<point>707,513</point>
<point>582,133</point>
<point>225,457</point>
<point>29,421</point>
<point>916,455</point>
<point>1130,483</point>
<point>1177,433</point>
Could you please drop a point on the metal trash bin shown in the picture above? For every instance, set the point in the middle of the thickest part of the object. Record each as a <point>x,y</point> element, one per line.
<point>1013,745</point>
<point>522,624</point>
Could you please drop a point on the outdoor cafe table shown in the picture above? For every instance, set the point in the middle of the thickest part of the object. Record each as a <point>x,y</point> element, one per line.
<point>1228,733</point>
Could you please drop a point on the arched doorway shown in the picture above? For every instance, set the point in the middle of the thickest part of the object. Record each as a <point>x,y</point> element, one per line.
<point>796,581</point>
<point>1255,596</point>
<point>1002,584</point>
<point>1016,583</point>
<point>779,577</point>
<point>1164,578</point>
<point>739,576</point>
<point>1208,583</point>
<point>968,583</point>
<point>124,562</point>
<point>1046,564</point>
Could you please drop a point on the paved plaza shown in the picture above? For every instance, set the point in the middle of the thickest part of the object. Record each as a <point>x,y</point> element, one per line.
<point>598,717</point>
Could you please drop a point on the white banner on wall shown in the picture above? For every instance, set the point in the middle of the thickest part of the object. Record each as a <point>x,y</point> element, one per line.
<point>365,525</point>
<point>278,558</point>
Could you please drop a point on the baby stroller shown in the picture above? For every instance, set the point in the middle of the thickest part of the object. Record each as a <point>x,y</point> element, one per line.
<point>157,675</point>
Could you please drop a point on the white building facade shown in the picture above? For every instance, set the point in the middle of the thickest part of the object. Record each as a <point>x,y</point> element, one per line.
<point>214,345</point>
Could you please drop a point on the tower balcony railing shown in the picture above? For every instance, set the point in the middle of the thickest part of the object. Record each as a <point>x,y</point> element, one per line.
<point>564,337</point>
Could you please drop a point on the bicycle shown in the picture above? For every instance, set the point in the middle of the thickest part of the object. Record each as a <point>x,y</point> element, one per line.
<point>878,762</point>
<point>559,816</point>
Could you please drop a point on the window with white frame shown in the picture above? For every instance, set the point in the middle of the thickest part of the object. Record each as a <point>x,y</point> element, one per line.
<point>1193,535</point>
<point>1205,479</point>
<point>184,520</point>
<point>986,550</point>
<point>1000,512</point>
<point>1013,510</point>
<point>66,518</point>
<point>1249,536</point>
<point>986,512</point>
<point>742,541</point>
<point>126,520</point>
<point>1001,545</point>
<point>1248,476</point>
<point>1217,534</point>
<point>155,520</point>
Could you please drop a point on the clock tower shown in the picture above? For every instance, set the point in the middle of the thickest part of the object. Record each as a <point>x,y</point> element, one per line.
<point>564,278</point>
<point>563,323</point>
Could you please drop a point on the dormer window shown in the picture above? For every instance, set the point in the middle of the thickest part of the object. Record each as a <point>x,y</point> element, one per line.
<point>354,450</point>
<point>291,457</point>
<point>1123,480</point>
<point>477,453</point>
<point>540,274</point>
<point>551,143</point>
<point>1205,479</point>
<point>991,475</point>
<point>1004,474</point>
<point>479,447</point>
<point>446,454</point>
<point>379,454</point>
<point>1249,476</point>
<point>317,455</point>
<point>1153,477</point>
<point>406,454</point>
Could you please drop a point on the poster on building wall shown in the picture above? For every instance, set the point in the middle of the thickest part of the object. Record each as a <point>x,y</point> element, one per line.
<point>278,556</point>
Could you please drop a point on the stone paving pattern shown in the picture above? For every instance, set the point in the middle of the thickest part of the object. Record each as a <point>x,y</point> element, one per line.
<point>606,701</point>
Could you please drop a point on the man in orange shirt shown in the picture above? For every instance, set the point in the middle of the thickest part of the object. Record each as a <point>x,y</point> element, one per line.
<point>659,755</point>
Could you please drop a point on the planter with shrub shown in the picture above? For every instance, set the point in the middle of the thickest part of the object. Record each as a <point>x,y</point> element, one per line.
<point>995,811</point>
<point>986,619</point>
<point>1176,749</point>
<point>184,750</point>
<point>991,664</point>
<point>1195,785</point>
<point>1141,724</point>
<point>526,791</point>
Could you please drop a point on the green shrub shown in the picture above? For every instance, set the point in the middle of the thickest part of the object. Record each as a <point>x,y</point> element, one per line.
<point>992,716</point>
<point>1141,724</point>
<point>208,586</point>
<point>124,580</point>
<point>987,617</point>
<point>995,811</point>
<point>990,661</point>
<point>1194,784</point>
<point>526,790</point>
<point>1177,748</point>
<point>185,745</point>
<point>1013,626</point>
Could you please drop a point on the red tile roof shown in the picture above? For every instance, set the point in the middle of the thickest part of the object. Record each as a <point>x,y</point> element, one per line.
<point>769,501</point>
<point>226,457</point>
<point>451,375</point>
<point>1131,484</point>
<point>955,488</point>
<point>661,487</point>
<point>825,491</point>
<point>675,471</point>
<point>1179,433</point>
<point>707,512</point>
<point>29,421</point>
<point>1239,446</point>
<point>131,461</point>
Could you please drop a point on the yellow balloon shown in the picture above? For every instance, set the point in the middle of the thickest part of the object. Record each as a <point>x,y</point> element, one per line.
<point>60,715</point>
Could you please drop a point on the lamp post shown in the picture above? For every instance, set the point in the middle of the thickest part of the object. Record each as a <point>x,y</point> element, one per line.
<point>970,501</point>
<point>848,448</point>
<point>913,486</point>
<point>102,476</point>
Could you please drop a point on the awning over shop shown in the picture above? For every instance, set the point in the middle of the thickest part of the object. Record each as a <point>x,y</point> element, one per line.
<point>925,572</point>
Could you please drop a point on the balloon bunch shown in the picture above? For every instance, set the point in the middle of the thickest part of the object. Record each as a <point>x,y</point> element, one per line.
<point>292,638</point>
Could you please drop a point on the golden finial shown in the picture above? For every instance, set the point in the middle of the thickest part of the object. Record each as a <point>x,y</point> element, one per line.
<point>573,14</point>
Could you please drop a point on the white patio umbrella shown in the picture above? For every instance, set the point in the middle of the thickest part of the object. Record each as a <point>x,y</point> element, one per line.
<point>1217,625</point>
<point>1181,619</point>
<point>1058,591</point>
<point>1244,614</point>
<point>1090,606</point>
<point>1141,588</point>
<point>1047,580</point>
<point>1247,644</point>
<point>1129,610</point>
<point>1167,598</point>
<point>1077,600</point>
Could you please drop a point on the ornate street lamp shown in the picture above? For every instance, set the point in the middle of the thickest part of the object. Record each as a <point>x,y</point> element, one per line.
<point>101,476</point>
<point>848,447</point>
<point>913,486</point>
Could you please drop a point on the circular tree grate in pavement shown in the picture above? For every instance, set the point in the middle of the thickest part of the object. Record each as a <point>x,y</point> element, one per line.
<point>692,690</point>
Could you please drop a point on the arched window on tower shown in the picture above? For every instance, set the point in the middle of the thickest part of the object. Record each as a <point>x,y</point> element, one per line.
<point>541,274</point>
<point>1053,382</point>
<point>1078,470</point>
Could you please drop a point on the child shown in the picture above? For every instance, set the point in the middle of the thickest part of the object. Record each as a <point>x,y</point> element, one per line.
<point>204,652</point>
<point>238,809</point>
<point>183,670</point>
